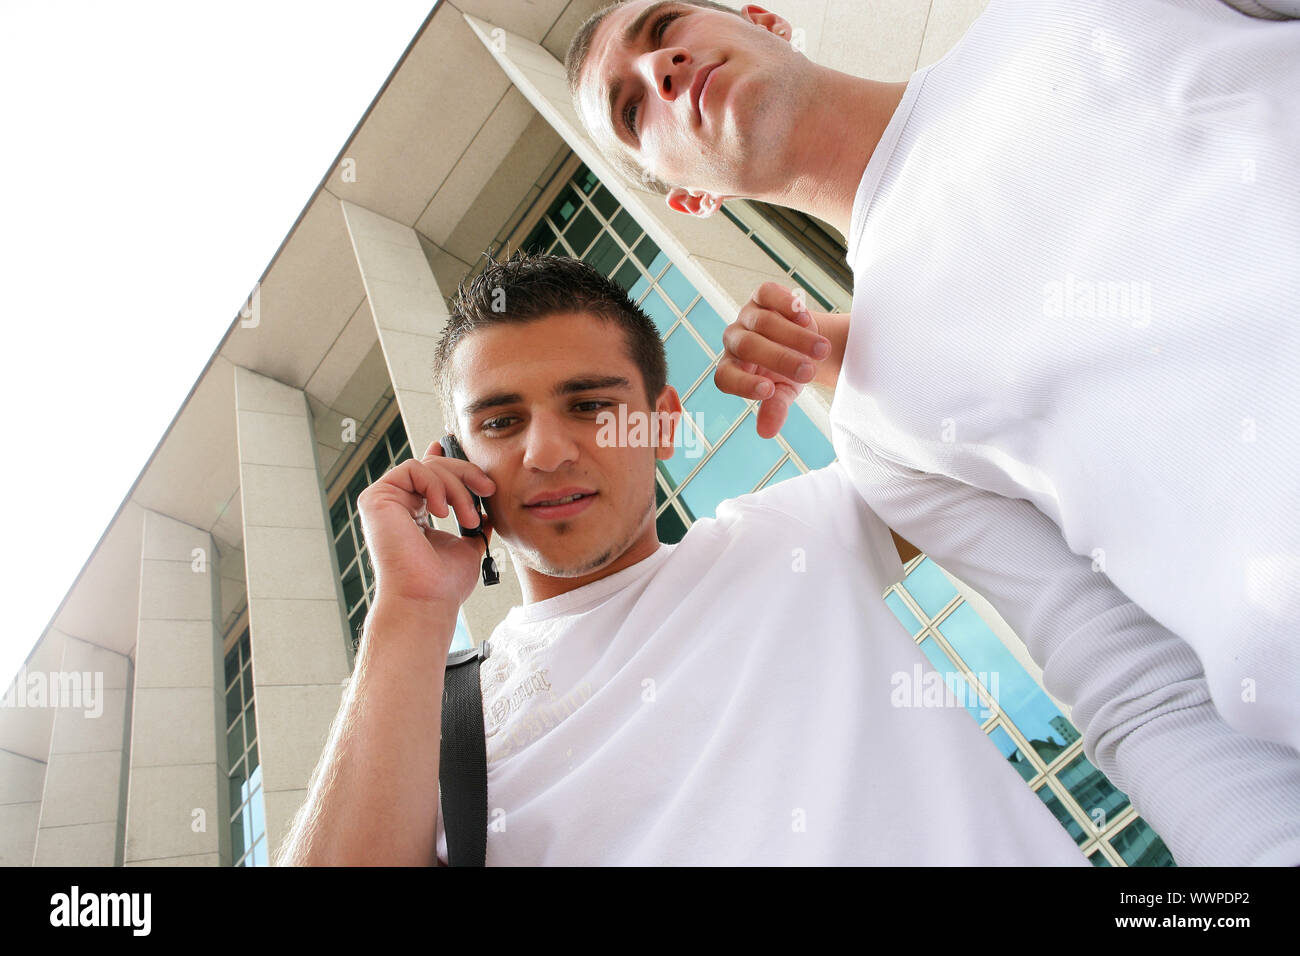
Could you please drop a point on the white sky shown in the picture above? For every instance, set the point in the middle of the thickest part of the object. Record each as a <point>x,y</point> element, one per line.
<point>153,157</point>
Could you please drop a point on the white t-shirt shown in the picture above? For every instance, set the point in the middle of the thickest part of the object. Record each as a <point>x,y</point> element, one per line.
<point>1074,356</point>
<point>731,700</point>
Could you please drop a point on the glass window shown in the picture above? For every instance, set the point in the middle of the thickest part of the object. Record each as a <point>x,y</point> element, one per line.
<point>659,312</point>
<point>677,288</point>
<point>787,471</point>
<point>670,526</point>
<point>1138,845</point>
<point>1097,797</point>
<point>1019,695</point>
<point>1062,815</point>
<point>649,254</point>
<point>806,439</point>
<point>378,463</point>
<point>247,823</point>
<point>345,549</point>
<point>565,206</point>
<point>627,276</point>
<point>604,255</point>
<point>581,231</point>
<point>1011,751</point>
<point>628,229</point>
<point>929,587</point>
<point>708,323</point>
<point>716,411</point>
<point>956,689</point>
<point>605,202</point>
<point>736,468</point>
<point>902,612</point>
<point>540,239</point>
<point>686,360</point>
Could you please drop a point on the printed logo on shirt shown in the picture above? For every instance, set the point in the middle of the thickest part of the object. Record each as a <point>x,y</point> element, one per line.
<point>503,707</point>
<point>531,709</point>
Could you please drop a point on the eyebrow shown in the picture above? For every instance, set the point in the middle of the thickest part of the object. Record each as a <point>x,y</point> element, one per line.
<point>571,386</point>
<point>629,36</point>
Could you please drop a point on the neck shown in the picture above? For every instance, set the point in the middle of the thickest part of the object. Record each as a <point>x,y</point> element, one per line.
<point>848,115</point>
<point>537,586</point>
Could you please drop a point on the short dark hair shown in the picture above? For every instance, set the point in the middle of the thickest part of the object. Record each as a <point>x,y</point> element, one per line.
<point>526,287</point>
<point>576,58</point>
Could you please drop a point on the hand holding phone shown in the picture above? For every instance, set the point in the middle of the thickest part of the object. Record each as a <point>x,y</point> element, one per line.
<point>451,448</point>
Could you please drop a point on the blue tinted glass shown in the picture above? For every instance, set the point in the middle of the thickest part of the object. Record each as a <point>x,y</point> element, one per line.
<point>670,526</point>
<point>677,288</point>
<point>1091,790</point>
<point>658,310</point>
<point>1099,859</point>
<point>929,587</point>
<point>715,410</point>
<point>259,853</point>
<point>735,468</point>
<point>461,642</point>
<point>638,287</point>
<point>657,263</point>
<point>1024,702</point>
<point>956,689</point>
<point>1062,815</point>
<point>686,360</point>
<point>785,472</point>
<point>256,816</point>
<point>806,439</point>
<point>1138,845</point>
<point>902,613</point>
<point>1011,751</point>
<point>238,839</point>
<point>708,323</point>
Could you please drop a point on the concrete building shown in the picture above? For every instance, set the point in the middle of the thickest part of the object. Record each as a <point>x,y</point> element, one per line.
<point>211,630</point>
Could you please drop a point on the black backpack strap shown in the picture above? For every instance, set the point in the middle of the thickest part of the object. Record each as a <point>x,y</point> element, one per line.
<point>462,761</point>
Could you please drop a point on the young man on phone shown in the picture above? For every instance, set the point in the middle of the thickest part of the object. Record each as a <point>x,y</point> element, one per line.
<point>724,700</point>
<point>1073,348</point>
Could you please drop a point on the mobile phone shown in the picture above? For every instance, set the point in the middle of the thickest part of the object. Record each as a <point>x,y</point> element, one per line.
<point>451,448</point>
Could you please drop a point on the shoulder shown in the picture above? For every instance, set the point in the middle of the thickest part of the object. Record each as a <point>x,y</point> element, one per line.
<point>820,506</point>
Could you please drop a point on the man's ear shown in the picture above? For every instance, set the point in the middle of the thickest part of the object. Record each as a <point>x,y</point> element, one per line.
<point>694,202</point>
<point>668,414</point>
<point>767,20</point>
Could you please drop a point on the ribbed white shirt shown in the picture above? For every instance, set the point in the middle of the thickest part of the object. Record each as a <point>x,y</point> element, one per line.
<point>1073,362</point>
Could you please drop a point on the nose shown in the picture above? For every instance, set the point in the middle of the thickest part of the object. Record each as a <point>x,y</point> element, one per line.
<point>668,71</point>
<point>547,445</point>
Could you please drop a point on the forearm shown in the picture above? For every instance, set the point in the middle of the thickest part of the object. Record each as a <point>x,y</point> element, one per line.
<point>373,799</point>
<point>1138,692</point>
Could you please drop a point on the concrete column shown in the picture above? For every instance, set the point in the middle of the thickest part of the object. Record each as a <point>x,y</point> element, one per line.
<point>410,313</point>
<point>83,803</point>
<point>178,800</point>
<point>22,779</point>
<point>299,635</point>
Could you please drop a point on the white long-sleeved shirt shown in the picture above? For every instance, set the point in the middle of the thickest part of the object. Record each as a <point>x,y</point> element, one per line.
<point>1073,361</point>
<point>745,697</point>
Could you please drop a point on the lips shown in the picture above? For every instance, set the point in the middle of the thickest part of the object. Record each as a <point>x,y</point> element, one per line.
<point>563,503</point>
<point>697,89</point>
<point>557,496</point>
